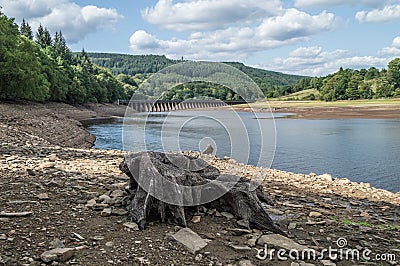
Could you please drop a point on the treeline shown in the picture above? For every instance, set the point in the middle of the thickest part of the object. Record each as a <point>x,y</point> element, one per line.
<point>42,68</point>
<point>132,64</point>
<point>201,91</point>
<point>349,84</point>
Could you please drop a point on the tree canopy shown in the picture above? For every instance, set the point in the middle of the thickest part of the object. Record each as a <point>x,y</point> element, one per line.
<point>47,70</point>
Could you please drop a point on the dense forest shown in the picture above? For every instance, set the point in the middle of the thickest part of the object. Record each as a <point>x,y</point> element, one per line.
<point>349,84</point>
<point>42,68</point>
<point>270,82</point>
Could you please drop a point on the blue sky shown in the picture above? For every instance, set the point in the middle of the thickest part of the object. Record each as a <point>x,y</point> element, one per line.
<point>307,37</point>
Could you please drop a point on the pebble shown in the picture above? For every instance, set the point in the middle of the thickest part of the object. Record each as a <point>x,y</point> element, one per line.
<point>43,196</point>
<point>106,212</point>
<point>57,254</point>
<point>109,244</point>
<point>227,215</point>
<point>196,219</point>
<point>292,226</point>
<point>315,214</point>
<point>132,226</point>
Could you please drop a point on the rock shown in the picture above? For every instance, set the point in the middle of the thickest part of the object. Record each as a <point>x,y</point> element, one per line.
<point>52,157</point>
<point>97,238</point>
<point>227,215</point>
<point>117,193</point>
<point>327,263</point>
<point>198,257</point>
<point>132,226</point>
<point>192,241</point>
<point>196,219</point>
<point>302,263</point>
<point>239,231</point>
<point>292,226</point>
<point>294,264</point>
<point>326,177</point>
<point>208,150</point>
<point>47,165</point>
<point>57,254</point>
<point>253,240</point>
<point>43,196</point>
<point>106,212</point>
<point>119,212</point>
<point>243,223</point>
<point>245,263</point>
<point>109,244</point>
<point>91,203</point>
<point>56,243</point>
<point>315,214</point>
<point>280,241</point>
<point>105,199</point>
<point>3,237</point>
<point>30,172</point>
<point>211,211</point>
<point>275,211</point>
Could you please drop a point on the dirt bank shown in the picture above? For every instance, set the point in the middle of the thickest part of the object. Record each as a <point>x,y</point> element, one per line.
<point>322,110</point>
<point>53,123</point>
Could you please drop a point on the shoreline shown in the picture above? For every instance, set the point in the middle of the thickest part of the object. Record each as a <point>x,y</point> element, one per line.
<point>68,191</point>
<point>323,110</point>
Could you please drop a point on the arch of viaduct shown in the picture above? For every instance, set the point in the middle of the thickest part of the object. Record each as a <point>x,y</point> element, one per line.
<point>170,105</point>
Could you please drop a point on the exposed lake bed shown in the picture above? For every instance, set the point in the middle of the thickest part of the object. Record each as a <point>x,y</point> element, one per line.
<point>64,189</point>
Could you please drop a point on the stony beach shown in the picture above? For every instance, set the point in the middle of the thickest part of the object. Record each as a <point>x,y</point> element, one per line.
<point>61,204</point>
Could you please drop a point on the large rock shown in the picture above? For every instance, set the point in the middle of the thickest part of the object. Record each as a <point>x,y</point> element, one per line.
<point>280,242</point>
<point>192,241</point>
<point>57,254</point>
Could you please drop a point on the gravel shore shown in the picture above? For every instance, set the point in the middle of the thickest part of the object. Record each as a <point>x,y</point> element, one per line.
<point>57,195</point>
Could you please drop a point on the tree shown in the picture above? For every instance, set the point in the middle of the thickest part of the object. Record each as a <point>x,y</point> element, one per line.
<point>26,30</point>
<point>352,91</point>
<point>61,49</point>
<point>43,37</point>
<point>394,73</point>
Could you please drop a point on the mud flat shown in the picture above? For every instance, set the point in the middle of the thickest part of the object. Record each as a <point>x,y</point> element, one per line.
<point>61,204</point>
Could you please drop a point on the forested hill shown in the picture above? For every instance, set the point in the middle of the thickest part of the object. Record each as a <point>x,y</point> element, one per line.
<point>271,83</point>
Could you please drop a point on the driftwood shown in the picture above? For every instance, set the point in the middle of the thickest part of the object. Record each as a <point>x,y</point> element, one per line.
<point>15,214</point>
<point>168,186</point>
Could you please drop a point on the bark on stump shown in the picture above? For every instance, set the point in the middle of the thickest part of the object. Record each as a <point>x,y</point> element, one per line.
<point>155,176</point>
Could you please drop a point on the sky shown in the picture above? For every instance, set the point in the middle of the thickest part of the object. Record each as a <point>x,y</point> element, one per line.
<point>305,37</point>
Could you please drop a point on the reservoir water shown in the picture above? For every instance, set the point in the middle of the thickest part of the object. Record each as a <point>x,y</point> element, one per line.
<point>363,150</point>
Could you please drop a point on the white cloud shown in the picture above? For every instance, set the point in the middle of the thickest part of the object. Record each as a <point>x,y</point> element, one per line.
<point>208,14</point>
<point>238,42</point>
<point>385,14</point>
<point>326,3</point>
<point>313,61</point>
<point>73,20</point>
<point>393,50</point>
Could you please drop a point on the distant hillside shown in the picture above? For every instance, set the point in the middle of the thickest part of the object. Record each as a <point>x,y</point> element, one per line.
<point>270,82</point>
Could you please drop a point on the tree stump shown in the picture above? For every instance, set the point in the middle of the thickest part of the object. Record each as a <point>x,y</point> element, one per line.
<point>168,186</point>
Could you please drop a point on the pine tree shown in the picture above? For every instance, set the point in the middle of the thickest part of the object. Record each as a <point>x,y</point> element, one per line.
<point>61,49</point>
<point>43,37</point>
<point>26,30</point>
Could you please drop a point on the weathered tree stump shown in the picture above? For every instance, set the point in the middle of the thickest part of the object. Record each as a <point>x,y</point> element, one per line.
<point>168,186</point>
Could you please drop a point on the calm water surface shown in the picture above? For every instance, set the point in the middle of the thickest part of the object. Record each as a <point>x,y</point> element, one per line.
<point>363,150</point>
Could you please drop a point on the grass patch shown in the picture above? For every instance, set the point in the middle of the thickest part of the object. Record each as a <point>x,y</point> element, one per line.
<point>386,227</point>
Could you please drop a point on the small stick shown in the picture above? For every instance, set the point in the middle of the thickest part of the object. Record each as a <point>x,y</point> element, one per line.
<point>15,214</point>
